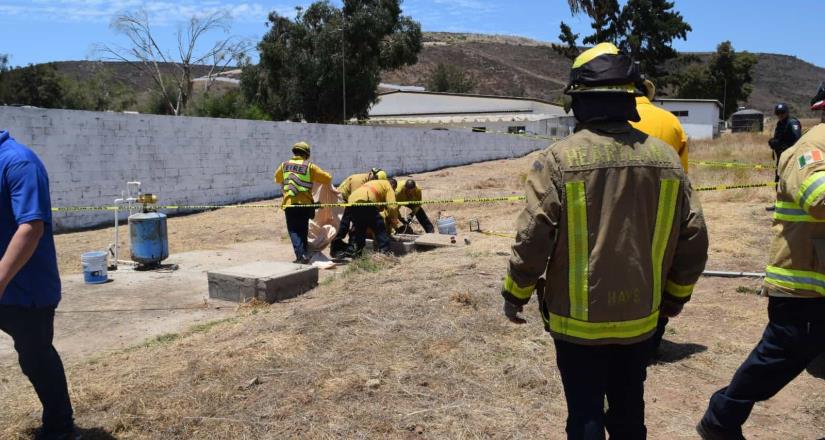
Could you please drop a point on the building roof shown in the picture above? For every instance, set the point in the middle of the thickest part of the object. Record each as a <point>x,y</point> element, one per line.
<point>469,95</point>
<point>715,101</point>
<point>748,111</point>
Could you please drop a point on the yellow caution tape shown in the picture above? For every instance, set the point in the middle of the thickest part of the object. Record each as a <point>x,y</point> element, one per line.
<point>344,205</point>
<point>714,164</point>
<point>724,187</point>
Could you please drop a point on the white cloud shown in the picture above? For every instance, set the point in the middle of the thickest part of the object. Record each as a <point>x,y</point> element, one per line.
<point>161,12</point>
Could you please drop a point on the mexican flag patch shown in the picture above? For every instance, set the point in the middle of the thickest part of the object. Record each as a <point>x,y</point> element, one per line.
<point>810,157</point>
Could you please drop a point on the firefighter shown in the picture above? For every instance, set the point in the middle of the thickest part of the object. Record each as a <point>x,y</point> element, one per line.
<point>296,177</point>
<point>369,217</point>
<point>346,188</point>
<point>788,130</point>
<point>612,224</point>
<point>408,191</point>
<point>661,124</point>
<point>795,282</point>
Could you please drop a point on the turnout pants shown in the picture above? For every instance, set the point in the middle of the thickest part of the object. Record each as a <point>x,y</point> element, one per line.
<point>297,224</point>
<point>32,330</point>
<point>425,222</point>
<point>793,338</point>
<point>589,373</point>
<point>367,217</point>
<point>345,225</point>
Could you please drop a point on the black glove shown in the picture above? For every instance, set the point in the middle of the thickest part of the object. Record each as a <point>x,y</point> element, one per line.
<point>511,311</point>
<point>670,309</point>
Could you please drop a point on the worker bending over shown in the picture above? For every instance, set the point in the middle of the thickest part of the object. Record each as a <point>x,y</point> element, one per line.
<point>613,226</point>
<point>408,191</point>
<point>795,281</point>
<point>346,188</point>
<point>369,217</point>
<point>296,177</point>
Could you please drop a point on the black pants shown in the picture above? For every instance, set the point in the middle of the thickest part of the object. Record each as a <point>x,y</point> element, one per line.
<point>367,217</point>
<point>297,225</point>
<point>589,373</point>
<point>345,225</point>
<point>794,337</point>
<point>32,331</point>
<point>425,222</point>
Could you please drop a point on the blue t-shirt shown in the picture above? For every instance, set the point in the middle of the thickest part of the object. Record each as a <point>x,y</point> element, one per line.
<point>24,197</point>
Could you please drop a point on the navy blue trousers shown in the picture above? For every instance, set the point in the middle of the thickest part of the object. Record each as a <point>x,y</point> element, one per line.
<point>794,337</point>
<point>589,373</point>
<point>32,330</point>
<point>345,225</point>
<point>297,224</point>
<point>367,217</point>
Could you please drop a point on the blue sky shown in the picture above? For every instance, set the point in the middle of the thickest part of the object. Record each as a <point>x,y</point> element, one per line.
<point>52,30</point>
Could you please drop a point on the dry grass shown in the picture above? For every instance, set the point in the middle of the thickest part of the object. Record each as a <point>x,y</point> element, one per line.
<point>416,347</point>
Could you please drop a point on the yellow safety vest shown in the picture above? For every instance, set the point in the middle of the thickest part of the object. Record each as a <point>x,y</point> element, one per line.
<point>297,177</point>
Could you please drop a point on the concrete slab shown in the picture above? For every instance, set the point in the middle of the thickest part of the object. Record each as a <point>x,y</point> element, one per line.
<point>437,240</point>
<point>268,281</point>
<point>398,247</point>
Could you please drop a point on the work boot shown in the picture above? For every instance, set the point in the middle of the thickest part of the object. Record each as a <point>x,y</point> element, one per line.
<point>337,248</point>
<point>709,432</point>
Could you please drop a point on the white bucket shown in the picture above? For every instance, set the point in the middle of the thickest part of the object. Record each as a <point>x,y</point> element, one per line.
<point>446,226</point>
<point>95,265</point>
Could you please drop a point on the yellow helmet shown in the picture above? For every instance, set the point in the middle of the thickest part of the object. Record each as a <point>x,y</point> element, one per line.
<point>381,175</point>
<point>301,148</point>
<point>604,69</point>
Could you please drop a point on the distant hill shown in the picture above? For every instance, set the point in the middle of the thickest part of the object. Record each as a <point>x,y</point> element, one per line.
<point>516,66</point>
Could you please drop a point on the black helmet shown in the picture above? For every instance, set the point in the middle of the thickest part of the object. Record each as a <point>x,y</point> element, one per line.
<point>604,69</point>
<point>780,109</point>
<point>818,101</point>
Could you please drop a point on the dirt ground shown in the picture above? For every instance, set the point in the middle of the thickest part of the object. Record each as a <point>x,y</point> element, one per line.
<point>416,347</point>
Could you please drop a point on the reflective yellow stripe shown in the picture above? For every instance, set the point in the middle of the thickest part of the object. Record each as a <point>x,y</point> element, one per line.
<point>791,212</point>
<point>812,188</point>
<point>595,52</point>
<point>678,290</point>
<point>512,288</point>
<point>796,279</point>
<point>578,248</point>
<point>603,330</point>
<point>668,193</point>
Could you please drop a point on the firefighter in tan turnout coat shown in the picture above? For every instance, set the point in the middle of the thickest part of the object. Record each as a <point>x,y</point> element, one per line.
<point>613,226</point>
<point>795,281</point>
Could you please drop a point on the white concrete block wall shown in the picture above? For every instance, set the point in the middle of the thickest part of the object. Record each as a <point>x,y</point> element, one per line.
<point>197,161</point>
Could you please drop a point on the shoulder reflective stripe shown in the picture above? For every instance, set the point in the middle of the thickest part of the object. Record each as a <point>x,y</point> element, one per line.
<point>668,193</point>
<point>678,290</point>
<point>512,288</point>
<point>603,330</point>
<point>578,249</point>
<point>812,188</point>
<point>796,279</point>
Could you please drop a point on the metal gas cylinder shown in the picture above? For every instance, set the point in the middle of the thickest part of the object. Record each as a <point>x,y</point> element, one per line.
<point>150,244</point>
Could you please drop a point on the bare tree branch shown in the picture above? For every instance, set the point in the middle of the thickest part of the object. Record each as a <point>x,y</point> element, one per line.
<point>145,54</point>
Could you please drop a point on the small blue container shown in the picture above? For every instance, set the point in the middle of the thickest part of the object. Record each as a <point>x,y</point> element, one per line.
<point>147,231</point>
<point>95,265</point>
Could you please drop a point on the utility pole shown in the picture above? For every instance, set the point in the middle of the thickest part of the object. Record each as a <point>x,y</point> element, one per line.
<point>344,66</point>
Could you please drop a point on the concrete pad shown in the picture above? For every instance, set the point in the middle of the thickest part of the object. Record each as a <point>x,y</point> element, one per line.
<point>397,247</point>
<point>439,240</point>
<point>268,281</point>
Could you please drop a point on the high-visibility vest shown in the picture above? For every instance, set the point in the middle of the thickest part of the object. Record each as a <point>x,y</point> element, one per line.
<point>297,177</point>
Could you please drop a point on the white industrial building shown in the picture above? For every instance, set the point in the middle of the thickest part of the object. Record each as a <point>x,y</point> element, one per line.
<point>464,112</point>
<point>699,117</point>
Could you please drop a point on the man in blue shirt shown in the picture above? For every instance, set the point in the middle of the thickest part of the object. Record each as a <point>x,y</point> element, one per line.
<point>30,282</point>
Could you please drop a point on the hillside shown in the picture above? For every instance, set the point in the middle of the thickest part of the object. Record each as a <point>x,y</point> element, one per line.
<point>517,66</point>
<point>506,65</point>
